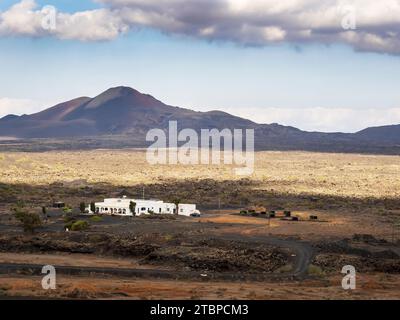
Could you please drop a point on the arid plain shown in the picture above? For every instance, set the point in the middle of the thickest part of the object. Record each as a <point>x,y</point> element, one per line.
<point>347,175</point>
<point>355,197</point>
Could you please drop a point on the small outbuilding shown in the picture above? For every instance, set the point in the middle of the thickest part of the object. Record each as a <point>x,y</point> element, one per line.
<point>58,205</point>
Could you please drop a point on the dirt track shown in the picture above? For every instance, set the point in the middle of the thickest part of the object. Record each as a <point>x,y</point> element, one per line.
<point>219,250</point>
<point>301,252</point>
<point>301,256</point>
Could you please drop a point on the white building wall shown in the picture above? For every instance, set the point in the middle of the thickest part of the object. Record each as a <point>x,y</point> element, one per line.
<point>186,209</point>
<point>121,207</point>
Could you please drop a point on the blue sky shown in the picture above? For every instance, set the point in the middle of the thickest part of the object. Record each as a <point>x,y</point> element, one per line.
<point>312,86</point>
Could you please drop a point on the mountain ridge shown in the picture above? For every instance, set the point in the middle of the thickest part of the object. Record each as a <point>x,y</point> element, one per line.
<point>126,111</point>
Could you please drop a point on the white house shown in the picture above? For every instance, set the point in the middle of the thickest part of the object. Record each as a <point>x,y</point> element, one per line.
<point>121,207</point>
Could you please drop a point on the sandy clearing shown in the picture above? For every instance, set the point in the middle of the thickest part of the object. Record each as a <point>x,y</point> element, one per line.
<point>77,260</point>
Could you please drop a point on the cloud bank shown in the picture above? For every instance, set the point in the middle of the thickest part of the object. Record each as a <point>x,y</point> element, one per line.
<point>26,19</point>
<point>16,106</point>
<point>366,25</point>
<point>322,119</point>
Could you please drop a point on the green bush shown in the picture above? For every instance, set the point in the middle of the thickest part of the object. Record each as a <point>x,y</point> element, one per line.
<point>80,225</point>
<point>316,271</point>
<point>69,223</point>
<point>29,221</point>
<point>96,219</point>
<point>69,219</point>
<point>67,209</point>
<point>168,237</point>
<point>285,269</point>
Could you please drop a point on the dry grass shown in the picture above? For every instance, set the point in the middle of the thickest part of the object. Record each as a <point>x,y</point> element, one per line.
<point>349,175</point>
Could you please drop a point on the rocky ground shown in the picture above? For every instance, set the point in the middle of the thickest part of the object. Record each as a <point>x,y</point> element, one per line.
<point>180,253</point>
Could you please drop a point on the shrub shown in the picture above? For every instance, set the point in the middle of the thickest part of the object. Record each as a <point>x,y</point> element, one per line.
<point>285,269</point>
<point>69,219</point>
<point>29,221</point>
<point>96,219</point>
<point>68,225</point>
<point>82,207</point>
<point>79,225</point>
<point>67,209</point>
<point>314,270</point>
<point>168,237</point>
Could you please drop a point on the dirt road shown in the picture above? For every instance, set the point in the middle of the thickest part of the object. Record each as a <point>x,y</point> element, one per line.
<point>301,252</point>
<point>300,257</point>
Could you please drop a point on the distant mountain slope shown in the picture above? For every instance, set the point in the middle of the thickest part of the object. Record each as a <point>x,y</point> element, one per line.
<point>124,111</point>
<point>118,110</point>
<point>384,134</point>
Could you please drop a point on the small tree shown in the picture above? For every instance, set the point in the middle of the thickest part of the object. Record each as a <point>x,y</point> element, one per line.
<point>29,221</point>
<point>44,211</point>
<point>93,207</point>
<point>177,202</point>
<point>132,207</point>
<point>82,207</point>
<point>20,204</point>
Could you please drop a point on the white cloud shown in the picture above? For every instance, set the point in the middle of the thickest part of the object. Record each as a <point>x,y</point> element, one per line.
<point>247,22</point>
<point>262,22</point>
<point>322,119</point>
<point>21,20</point>
<point>25,19</point>
<point>17,106</point>
<point>91,25</point>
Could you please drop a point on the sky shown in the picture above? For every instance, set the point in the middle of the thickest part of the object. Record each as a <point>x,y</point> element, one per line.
<point>326,65</point>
